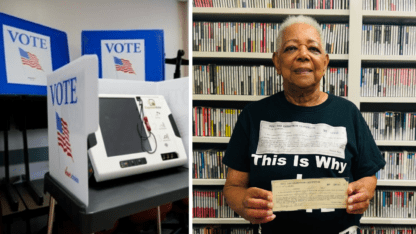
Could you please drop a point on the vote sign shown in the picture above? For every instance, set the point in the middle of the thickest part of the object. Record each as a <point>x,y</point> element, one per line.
<point>123,59</point>
<point>28,52</point>
<point>127,55</point>
<point>72,115</point>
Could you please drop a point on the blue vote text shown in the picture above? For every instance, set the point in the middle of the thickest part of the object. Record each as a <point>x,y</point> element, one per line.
<point>29,40</point>
<point>124,47</point>
<point>64,92</point>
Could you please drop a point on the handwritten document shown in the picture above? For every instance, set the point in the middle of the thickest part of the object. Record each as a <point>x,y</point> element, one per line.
<point>289,195</point>
<point>301,138</point>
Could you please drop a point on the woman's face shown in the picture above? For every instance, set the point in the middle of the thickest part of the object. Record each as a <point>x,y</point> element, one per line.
<point>301,60</point>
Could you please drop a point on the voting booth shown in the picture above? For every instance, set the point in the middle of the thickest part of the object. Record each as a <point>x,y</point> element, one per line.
<point>128,54</point>
<point>72,115</point>
<point>127,134</point>
<point>30,52</point>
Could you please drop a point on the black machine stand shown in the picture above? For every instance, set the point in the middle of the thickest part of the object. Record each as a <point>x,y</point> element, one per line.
<point>178,61</point>
<point>26,105</point>
<point>36,195</point>
<point>11,194</point>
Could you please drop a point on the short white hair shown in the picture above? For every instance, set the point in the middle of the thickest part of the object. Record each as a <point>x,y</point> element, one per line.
<point>301,19</point>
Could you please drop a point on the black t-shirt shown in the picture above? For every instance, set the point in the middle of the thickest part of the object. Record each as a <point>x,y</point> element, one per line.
<point>274,139</point>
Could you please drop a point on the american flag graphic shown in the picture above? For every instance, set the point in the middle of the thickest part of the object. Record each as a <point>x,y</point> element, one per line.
<point>29,59</point>
<point>123,65</point>
<point>63,136</point>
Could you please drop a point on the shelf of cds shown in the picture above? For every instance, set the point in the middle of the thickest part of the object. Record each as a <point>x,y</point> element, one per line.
<point>364,220</point>
<point>257,38</point>
<point>389,14</point>
<point>241,81</point>
<point>380,182</point>
<point>388,229</point>
<point>202,97</point>
<point>268,12</point>
<point>252,56</point>
<point>373,47</point>
<point>231,229</point>
<point>392,126</point>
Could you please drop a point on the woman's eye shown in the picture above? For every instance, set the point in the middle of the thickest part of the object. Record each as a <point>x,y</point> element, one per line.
<point>290,48</point>
<point>314,49</point>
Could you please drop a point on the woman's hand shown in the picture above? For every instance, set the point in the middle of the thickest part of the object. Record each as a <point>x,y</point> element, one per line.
<point>257,206</point>
<point>253,204</point>
<point>360,193</point>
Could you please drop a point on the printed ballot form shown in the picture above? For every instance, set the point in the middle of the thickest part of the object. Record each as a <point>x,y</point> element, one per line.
<point>290,195</point>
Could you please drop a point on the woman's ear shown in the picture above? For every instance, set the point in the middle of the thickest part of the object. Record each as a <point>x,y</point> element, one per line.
<point>276,63</point>
<point>326,62</point>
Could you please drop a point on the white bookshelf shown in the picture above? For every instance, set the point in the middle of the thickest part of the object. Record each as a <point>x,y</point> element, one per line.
<point>355,17</point>
<point>268,12</point>
<point>388,58</point>
<point>388,99</point>
<point>202,97</point>
<point>396,221</point>
<point>396,143</point>
<point>364,220</point>
<point>210,139</point>
<point>219,221</point>
<point>252,56</point>
<point>401,183</point>
<point>405,183</point>
<point>388,15</point>
<point>208,181</point>
<point>227,139</point>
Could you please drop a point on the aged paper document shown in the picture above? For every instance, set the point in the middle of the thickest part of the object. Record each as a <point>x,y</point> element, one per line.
<point>289,195</point>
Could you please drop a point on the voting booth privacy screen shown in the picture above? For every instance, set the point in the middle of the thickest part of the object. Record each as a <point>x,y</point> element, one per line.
<point>72,115</point>
<point>127,55</point>
<point>29,51</point>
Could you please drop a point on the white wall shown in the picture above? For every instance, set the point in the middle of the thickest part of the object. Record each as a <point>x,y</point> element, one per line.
<point>73,16</point>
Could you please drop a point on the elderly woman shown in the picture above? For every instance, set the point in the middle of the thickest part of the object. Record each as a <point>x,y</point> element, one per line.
<point>297,134</point>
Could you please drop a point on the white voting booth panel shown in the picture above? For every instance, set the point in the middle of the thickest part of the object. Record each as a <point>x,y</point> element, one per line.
<point>72,115</point>
<point>123,144</point>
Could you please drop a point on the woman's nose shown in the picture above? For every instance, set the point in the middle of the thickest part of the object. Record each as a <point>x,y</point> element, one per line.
<point>303,53</point>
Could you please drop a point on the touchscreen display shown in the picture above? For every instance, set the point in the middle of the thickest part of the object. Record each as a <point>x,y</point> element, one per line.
<point>121,127</point>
